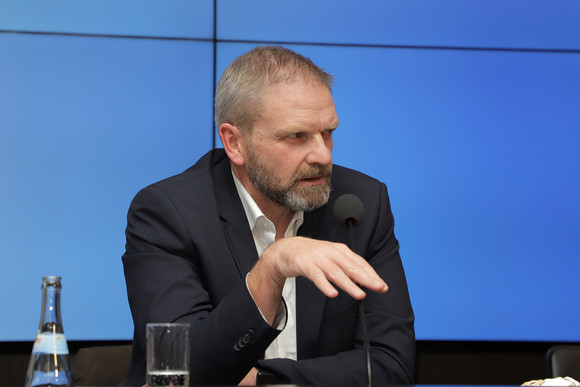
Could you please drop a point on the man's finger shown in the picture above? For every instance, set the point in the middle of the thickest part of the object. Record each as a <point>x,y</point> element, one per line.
<point>359,270</point>
<point>337,276</point>
<point>318,277</point>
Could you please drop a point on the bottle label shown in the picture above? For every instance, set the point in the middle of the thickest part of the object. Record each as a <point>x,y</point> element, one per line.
<point>47,342</point>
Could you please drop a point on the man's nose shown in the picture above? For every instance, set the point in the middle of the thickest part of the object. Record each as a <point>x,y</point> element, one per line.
<point>320,150</point>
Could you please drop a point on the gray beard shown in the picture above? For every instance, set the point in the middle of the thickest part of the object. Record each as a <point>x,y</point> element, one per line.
<point>292,196</point>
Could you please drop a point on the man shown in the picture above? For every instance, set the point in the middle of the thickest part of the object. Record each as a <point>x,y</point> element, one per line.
<point>244,246</point>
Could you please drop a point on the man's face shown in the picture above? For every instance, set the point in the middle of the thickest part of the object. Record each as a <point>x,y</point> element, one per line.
<point>289,150</point>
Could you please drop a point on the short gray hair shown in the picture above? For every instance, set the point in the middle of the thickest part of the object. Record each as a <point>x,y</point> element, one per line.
<point>239,93</point>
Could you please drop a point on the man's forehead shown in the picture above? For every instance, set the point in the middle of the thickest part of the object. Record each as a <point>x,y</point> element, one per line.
<point>309,94</point>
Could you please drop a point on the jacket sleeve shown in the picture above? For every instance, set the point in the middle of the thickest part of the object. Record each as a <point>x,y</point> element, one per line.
<point>389,317</point>
<point>165,283</point>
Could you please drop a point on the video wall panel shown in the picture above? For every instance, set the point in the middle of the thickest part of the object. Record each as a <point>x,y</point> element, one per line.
<point>478,147</point>
<point>168,18</point>
<point>477,23</point>
<point>86,123</point>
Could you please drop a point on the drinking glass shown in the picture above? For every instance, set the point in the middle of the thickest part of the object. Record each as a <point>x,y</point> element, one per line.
<point>167,354</point>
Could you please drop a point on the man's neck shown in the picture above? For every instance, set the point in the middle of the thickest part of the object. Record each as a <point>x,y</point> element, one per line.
<point>281,220</point>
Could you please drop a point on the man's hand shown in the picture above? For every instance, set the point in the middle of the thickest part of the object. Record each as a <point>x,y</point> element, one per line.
<point>324,263</point>
<point>250,378</point>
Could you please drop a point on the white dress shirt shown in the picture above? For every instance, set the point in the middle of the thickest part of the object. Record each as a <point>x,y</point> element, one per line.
<point>264,233</point>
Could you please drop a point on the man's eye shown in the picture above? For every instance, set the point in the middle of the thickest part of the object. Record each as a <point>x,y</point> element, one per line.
<point>296,135</point>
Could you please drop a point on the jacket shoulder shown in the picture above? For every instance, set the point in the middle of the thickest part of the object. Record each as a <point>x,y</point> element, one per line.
<point>204,167</point>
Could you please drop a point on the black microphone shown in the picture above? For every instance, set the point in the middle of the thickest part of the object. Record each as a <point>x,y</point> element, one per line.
<point>348,212</point>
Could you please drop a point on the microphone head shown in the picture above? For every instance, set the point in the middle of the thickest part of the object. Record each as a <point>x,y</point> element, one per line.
<point>348,209</point>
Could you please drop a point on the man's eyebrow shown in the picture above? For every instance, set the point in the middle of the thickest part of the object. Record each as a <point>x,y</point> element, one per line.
<point>333,126</point>
<point>303,129</point>
<point>291,129</point>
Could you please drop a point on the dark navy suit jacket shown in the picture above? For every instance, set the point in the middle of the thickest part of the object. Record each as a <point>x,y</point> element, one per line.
<point>189,248</point>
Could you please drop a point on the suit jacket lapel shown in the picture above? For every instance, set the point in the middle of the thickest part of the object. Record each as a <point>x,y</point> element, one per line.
<point>309,299</point>
<point>234,221</point>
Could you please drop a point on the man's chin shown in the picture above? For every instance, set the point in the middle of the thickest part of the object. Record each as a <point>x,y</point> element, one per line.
<point>309,198</point>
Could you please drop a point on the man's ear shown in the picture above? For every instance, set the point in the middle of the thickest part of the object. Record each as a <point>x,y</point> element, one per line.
<point>234,143</point>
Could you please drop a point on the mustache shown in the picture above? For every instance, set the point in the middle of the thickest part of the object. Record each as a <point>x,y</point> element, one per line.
<point>314,171</point>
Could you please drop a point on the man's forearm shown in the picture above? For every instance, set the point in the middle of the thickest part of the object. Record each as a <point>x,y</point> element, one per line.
<point>266,289</point>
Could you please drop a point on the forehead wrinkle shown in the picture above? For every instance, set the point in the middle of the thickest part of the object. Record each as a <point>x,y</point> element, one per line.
<point>287,108</point>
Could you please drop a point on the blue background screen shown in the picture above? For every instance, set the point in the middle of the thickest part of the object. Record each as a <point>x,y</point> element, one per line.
<point>468,111</point>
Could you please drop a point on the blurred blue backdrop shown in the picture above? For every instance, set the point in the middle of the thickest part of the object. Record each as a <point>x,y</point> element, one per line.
<point>467,110</point>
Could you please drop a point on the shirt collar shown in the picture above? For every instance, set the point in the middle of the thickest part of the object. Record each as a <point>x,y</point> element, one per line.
<point>253,212</point>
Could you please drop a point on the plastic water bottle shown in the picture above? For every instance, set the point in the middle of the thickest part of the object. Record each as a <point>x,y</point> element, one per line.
<point>50,361</point>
